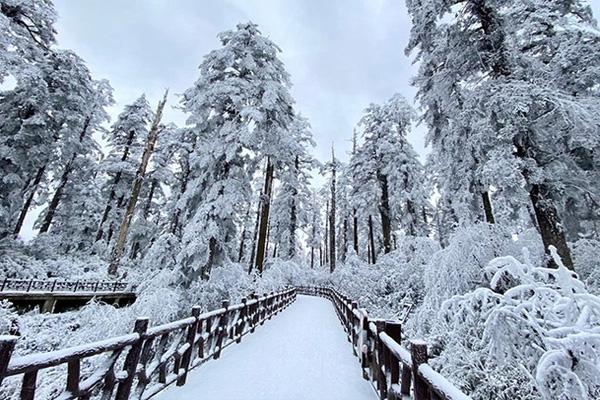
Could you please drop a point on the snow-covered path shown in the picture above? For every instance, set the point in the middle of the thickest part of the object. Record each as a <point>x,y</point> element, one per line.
<point>300,354</point>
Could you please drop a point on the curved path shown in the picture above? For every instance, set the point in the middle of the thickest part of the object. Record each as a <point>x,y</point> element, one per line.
<point>301,354</point>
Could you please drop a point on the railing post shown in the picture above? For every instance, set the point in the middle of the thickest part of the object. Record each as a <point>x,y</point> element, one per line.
<point>418,352</point>
<point>190,339</point>
<point>222,330</point>
<point>241,324</point>
<point>7,345</point>
<point>29,285</point>
<point>3,284</point>
<point>73,376</point>
<point>393,330</point>
<point>380,354</point>
<point>131,361</point>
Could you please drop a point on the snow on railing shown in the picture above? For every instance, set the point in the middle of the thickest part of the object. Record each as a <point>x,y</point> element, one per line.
<point>391,368</point>
<point>54,285</point>
<point>143,363</point>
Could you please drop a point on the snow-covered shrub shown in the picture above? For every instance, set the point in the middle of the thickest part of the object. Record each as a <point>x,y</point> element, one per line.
<point>460,267</point>
<point>396,279</point>
<point>533,333</point>
<point>586,255</point>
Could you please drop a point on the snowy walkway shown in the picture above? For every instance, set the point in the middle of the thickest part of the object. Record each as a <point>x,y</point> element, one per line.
<point>300,354</point>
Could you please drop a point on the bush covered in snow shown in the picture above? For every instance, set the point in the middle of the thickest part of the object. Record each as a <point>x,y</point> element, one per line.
<point>532,333</point>
<point>586,254</point>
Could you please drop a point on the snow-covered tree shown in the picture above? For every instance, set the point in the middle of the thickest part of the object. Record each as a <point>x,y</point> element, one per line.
<point>126,140</point>
<point>293,196</point>
<point>493,79</point>
<point>241,108</point>
<point>387,171</point>
<point>82,102</point>
<point>45,121</point>
<point>26,35</point>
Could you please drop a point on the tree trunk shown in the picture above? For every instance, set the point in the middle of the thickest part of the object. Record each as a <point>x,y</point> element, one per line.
<point>264,217</point>
<point>63,183</point>
<point>487,207</point>
<point>372,241</point>
<point>312,257</point>
<point>344,240</point>
<point>355,230</point>
<point>384,210</point>
<point>254,237</point>
<point>243,236</point>
<point>546,214</point>
<point>137,186</point>
<point>293,217</point>
<point>326,239</point>
<point>549,224</point>
<point>28,201</point>
<point>332,217</point>
<point>320,255</point>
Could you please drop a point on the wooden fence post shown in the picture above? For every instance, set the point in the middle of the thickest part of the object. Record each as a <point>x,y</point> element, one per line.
<point>7,345</point>
<point>418,352</point>
<point>380,355</point>
<point>132,359</point>
<point>222,330</point>
<point>394,330</point>
<point>241,323</point>
<point>190,339</point>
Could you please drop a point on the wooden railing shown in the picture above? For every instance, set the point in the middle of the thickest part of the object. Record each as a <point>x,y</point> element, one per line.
<point>142,363</point>
<point>40,285</point>
<point>391,368</point>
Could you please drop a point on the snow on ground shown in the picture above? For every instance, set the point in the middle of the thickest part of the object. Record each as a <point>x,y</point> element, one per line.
<point>301,354</point>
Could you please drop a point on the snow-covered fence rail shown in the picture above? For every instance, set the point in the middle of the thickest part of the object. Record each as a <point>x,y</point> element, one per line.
<point>141,364</point>
<point>391,368</point>
<point>54,285</point>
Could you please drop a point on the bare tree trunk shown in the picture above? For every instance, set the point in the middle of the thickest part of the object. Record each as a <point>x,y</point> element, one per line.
<point>344,240</point>
<point>549,223</point>
<point>372,241</point>
<point>264,217</point>
<point>355,230</point>
<point>332,217</point>
<point>137,186</point>
<point>326,239</point>
<point>384,210</point>
<point>254,238</point>
<point>25,209</point>
<point>369,253</point>
<point>63,183</point>
<point>320,255</point>
<point>487,207</point>
<point>293,216</point>
<point>243,236</point>
<point>546,214</point>
<point>312,257</point>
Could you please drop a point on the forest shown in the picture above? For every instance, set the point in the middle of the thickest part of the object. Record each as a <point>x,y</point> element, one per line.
<point>491,239</point>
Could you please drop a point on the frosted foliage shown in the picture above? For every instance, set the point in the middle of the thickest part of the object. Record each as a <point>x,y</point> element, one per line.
<point>533,328</point>
<point>587,264</point>
<point>460,267</point>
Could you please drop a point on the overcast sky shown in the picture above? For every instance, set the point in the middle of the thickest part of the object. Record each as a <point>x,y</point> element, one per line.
<point>341,54</point>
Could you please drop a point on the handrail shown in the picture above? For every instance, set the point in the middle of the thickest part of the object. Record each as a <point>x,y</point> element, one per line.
<point>391,368</point>
<point>55,285</point>
<point>143,363</point>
